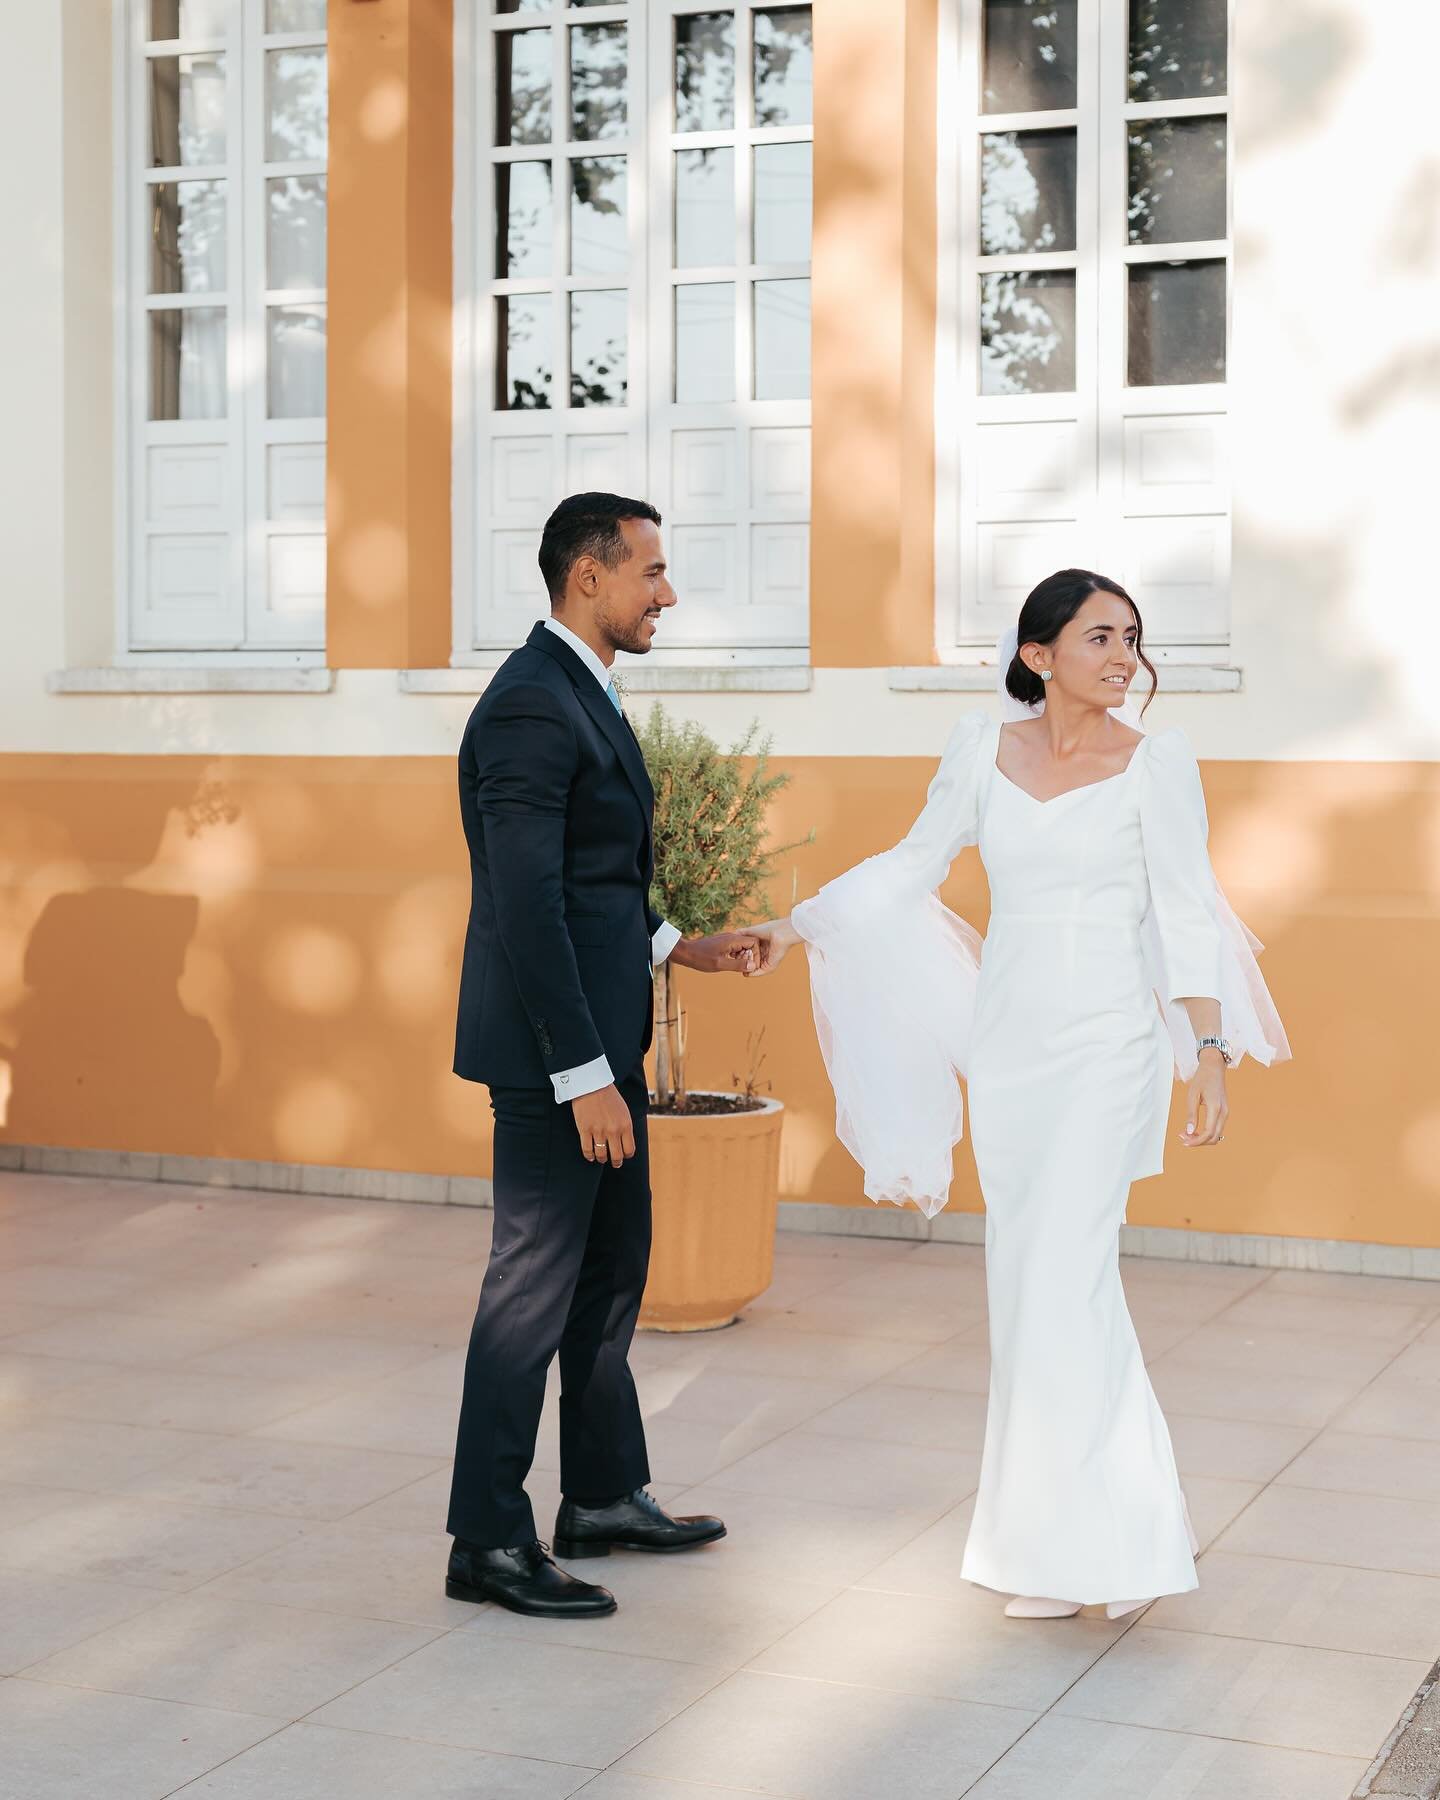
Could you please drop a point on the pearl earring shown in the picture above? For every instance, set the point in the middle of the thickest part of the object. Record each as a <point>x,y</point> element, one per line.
<point>1045,674</point>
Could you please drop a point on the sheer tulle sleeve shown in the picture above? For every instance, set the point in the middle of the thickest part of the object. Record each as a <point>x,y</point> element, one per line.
<point>1195,946</point>
<point>892,980</point>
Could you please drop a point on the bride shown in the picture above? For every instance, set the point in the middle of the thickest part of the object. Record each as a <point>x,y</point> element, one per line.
<point>1093,837</point>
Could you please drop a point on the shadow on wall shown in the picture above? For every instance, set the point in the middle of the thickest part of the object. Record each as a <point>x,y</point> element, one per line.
<point>105,1051</point>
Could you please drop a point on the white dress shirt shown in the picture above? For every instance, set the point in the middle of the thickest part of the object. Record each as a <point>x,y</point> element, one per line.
<point>589,1078</point>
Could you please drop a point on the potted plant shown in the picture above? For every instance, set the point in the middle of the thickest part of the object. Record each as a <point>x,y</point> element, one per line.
<point>714,1157</point>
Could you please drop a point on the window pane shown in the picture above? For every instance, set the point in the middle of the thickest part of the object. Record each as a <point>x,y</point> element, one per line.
<point>295,231</point>
<point>522,87</point>
<point>187,237</point>
<point>512,6</point>
<point>1177,49</point>
<point>1029,55</point>
<point>704,72</point>
<point>189,18</point>
<point>599,238</point>
<point>598,71</point>
<point>295,15</point>
<point>187,363</point>
<point>783,67</point>
<point>705,342</point>
<point>295,97</point>
<point>1177,180</point>
<point>597,348</point>
<point>1027,192</point>
<point>524,353</point>
<point>1177,323</point>
<point>524,218</point>
<point>704,209</point>
<point>1027,333</point>
<point>296,385</point>
<point>782,203</point>
<point>187,111</point>
<point>782,340</point>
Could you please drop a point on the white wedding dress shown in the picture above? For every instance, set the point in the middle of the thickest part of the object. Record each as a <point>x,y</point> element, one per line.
<point>1101,898</point>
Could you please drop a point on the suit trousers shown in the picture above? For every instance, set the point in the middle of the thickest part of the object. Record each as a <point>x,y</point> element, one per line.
<point>567,1269</point>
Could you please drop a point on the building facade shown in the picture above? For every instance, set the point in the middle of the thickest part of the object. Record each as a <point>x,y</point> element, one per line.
<point>891,308</point>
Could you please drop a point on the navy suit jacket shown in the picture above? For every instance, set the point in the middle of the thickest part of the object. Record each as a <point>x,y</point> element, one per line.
<point>558,810</point>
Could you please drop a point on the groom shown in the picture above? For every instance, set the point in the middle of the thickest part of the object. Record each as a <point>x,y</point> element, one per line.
<point>555,1018</point>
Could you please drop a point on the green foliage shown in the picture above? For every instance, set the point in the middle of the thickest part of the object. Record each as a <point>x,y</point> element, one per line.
<point>711,863</point>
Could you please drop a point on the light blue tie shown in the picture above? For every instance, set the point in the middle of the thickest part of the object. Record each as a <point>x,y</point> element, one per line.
<point>614,698</point>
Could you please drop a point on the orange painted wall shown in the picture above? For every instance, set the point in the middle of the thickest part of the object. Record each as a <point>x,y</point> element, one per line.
<point>256,958</point>
<point>388,357</point>
<point>873,352</point>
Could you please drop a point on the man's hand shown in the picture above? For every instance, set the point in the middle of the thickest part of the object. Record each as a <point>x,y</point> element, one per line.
<point>723,953</point>
<point>607,1132</point>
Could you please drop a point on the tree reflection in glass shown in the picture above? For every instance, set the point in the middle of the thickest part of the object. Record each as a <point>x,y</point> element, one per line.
<point>295,231</point>
<point>522,87</point>
<point>598,73</point>
<point>704,72</point>
<point>597,347</point>
<point>523,218</point>
<point>1030,55</point>
<point>1177,180</point>
<point>296,105</point>
<point>599,242</point>
<point>187,237</point>
<point>1027,332</point>
<point>1177,49</point>
<point>523,361</point>
<point>784,67</point>
<point>1027,192</point>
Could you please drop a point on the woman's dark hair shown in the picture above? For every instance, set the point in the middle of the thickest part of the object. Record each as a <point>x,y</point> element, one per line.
<point>587,525</point>
<point>1048,609</point>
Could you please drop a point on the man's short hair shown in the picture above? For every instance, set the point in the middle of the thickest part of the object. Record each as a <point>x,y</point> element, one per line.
<point>587,525</point>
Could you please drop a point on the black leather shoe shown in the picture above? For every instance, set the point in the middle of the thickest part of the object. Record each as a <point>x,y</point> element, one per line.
<point>634,1522</point>
<point>524,1579</point>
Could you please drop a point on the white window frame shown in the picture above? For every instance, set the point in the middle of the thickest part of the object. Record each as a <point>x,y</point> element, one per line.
<point>1104,409</point>
<point>650,417</point>
<point>242,631</point>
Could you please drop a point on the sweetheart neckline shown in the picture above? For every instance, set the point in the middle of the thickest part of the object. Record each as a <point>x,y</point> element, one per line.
<point>1064,794</point>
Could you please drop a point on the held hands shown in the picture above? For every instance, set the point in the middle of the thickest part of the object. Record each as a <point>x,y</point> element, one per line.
<point>1205,1094</point>
<point>774,939</point>
<point>722,953</point>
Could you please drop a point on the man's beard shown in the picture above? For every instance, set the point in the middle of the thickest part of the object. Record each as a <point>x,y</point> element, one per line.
<point>633,639</point>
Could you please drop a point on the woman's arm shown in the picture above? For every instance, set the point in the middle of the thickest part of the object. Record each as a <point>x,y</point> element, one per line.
<point>864,897</point>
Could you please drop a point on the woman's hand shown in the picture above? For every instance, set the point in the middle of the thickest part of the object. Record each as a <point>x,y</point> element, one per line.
<point>776,937</point>
<point>1205,1094</point>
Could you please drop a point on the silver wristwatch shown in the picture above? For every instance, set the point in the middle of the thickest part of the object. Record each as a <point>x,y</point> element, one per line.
<point>1216,1043</point>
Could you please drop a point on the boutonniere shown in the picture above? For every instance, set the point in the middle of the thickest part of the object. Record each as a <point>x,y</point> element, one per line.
<point>622,691</point>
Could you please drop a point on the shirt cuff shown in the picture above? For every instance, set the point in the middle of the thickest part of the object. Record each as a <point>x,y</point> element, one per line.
<point>589,1078</point>
<point>663,942</point>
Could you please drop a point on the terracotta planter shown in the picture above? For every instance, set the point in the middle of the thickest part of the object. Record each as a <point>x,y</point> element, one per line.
<point>716,1186</point>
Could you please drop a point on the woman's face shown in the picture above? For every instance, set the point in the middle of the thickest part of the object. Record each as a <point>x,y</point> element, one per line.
<point>1093,660</point>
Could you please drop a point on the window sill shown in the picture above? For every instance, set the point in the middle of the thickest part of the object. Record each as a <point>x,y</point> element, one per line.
<point>979,678</point>
<point>775,678</point>
<point>190,681</point>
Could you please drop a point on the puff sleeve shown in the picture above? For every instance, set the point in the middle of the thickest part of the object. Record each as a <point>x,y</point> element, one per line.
<point>892,981</point>
<point>1195,946</point>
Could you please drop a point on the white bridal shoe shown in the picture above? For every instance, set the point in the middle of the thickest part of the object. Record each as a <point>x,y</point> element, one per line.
<point>1031,1606</point>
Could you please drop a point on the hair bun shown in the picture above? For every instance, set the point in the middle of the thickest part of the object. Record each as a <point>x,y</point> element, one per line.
<point>1022,683</point>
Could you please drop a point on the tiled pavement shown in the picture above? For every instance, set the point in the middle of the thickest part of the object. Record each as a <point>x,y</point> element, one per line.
<point>226,1426</point>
